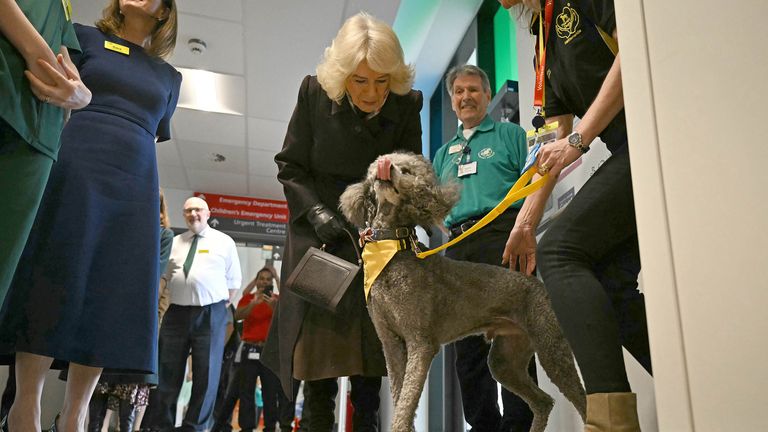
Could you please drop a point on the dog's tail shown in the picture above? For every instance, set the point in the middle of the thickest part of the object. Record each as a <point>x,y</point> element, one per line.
<point>554,352</point>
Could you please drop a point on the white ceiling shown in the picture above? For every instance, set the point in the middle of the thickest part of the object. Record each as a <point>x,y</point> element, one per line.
<point>267,46</point>
<point>264,48</point>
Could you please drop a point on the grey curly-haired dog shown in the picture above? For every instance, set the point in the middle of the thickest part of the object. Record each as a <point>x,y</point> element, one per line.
<point>417,305</point>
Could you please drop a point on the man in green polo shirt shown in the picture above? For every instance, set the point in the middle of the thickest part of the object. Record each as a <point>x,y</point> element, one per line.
<point>32,33</point>
<point>486,158</point>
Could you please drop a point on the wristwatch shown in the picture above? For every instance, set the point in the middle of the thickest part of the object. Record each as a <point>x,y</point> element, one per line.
<point>574,140</point>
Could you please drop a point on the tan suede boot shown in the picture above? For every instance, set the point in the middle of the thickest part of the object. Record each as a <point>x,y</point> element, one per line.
<point>612,412</point>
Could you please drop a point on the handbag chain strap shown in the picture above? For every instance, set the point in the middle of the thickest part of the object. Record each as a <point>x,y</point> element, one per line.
<point>354,245</point>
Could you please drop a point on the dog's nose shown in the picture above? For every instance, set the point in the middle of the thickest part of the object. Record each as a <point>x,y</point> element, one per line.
<point>384,168</point>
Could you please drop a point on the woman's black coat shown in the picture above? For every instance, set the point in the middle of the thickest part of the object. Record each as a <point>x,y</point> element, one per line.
<point>328,146</point>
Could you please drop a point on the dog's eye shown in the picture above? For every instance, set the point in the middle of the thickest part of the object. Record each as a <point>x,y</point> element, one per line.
<point>405,171</point>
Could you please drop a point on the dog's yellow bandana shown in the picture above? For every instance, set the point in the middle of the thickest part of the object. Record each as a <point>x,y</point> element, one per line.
<point>376,256</point>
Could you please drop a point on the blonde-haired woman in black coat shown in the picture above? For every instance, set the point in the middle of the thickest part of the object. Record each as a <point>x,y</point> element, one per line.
<point>358,107</point>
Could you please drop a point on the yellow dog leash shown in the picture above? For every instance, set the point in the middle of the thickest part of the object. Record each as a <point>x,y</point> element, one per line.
<point>518,191</point>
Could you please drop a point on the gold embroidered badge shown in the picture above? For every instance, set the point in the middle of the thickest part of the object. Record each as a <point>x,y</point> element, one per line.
<point>567,24</point>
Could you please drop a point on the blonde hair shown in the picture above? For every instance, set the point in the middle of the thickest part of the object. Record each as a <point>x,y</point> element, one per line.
<point>363,37</point>
<point>165,222</point>
<point>163,37</point>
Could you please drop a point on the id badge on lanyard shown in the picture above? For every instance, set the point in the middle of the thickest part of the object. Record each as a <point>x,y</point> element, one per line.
<point>466,166</point>
<point>537,138</point>
<point>254,352</point>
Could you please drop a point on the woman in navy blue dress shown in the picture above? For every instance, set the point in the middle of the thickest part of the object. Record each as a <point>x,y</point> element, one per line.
<point>85,291</point>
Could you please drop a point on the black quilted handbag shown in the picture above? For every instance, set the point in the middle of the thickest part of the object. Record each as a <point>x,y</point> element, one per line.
<point>322,278</point>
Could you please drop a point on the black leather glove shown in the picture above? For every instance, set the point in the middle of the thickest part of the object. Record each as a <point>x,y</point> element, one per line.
<point>328,225</point>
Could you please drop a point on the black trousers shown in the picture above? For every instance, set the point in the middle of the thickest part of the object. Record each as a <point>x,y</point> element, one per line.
<point>589,261</point>
<point>276,404</point>
<point>9,393</point>
<point>201,330</point>
<point>97,411</point>
<point>320,398</point>
<point>479,395</point>
<point>227,394</point>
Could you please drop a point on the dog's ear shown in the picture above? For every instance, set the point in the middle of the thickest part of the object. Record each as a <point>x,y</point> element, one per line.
<point>352,203</point>
<point>450,193</point>
<point>446,196</point>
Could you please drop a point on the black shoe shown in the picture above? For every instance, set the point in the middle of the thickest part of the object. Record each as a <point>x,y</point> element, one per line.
<point>53,426</point>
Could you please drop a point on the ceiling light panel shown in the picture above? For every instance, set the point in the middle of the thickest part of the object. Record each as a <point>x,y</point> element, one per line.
<point>212,92</point>
<point>210,128</point>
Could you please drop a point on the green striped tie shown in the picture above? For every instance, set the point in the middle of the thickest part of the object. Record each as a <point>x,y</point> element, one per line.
<point>190,255</point>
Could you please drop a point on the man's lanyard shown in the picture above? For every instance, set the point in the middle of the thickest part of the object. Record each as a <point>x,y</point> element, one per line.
<point>541,64</point>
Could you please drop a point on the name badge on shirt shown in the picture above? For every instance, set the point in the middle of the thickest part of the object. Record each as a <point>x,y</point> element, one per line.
<point>454,148</point>
<point>122,49</point>
<point>467,169</point>
<point>203,251</point>
<point>254,352</point>
<point>67,5</point>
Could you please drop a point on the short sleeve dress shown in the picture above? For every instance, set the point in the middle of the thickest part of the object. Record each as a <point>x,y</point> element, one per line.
<point>85,290</point>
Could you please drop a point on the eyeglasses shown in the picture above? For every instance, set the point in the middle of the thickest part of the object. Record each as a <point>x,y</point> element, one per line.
<point>194,209</point>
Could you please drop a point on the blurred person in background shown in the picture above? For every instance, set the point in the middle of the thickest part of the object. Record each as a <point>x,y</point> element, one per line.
<point>256,309</point>
<point>203,275</point>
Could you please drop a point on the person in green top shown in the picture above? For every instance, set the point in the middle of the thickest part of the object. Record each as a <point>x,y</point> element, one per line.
<point>486,158</point>
<point>38,82</point>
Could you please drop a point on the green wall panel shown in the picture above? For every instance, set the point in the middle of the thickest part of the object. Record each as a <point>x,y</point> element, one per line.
<point>505,49</point>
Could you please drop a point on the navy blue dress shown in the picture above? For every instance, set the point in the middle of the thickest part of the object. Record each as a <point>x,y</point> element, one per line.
<point>85,290</point>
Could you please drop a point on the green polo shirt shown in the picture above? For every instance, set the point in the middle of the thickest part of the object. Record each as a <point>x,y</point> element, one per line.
<point>38,123</point>
<point>500,151</point>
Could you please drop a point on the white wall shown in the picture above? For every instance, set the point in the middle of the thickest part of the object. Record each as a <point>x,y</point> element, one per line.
<point>695,90</point>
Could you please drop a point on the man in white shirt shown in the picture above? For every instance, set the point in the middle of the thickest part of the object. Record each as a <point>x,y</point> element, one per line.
<point>203,274</point>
